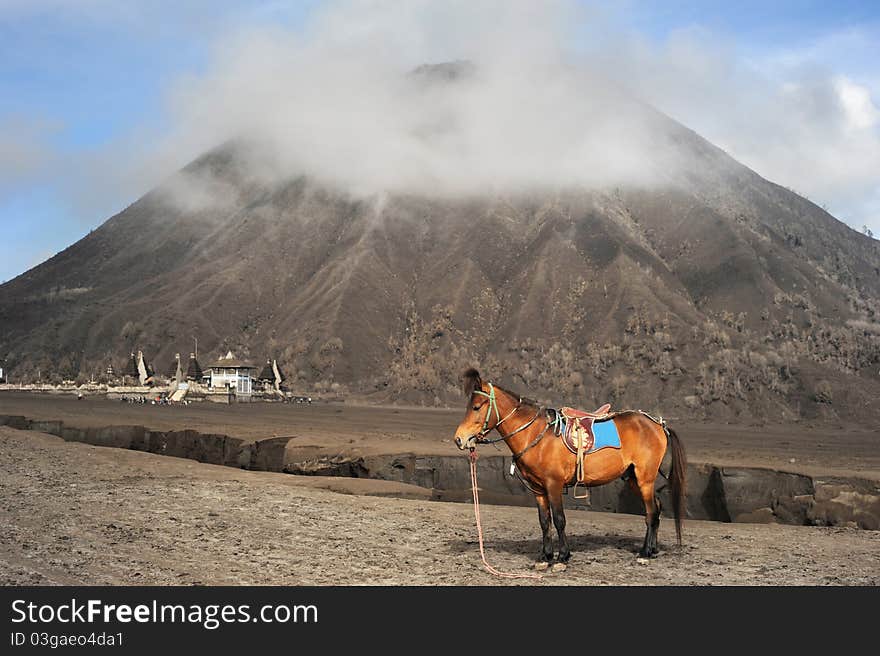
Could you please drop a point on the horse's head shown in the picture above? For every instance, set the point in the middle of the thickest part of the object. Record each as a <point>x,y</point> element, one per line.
<point>481,415</point>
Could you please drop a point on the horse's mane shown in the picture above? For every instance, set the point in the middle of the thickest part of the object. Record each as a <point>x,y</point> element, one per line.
<point>526,401</point>
<point>472,381</point>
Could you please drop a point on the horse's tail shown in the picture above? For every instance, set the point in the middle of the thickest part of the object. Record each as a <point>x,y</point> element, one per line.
<point>677,479</point>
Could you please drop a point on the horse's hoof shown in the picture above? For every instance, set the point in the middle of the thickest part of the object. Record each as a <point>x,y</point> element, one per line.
<point>642,560</point>
<point>541,566</point>
<point>558,567</point>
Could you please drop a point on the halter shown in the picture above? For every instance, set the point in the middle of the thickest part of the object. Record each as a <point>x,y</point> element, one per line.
<point>493,405</point>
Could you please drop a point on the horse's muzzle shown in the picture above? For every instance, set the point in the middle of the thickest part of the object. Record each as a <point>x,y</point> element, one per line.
<point>466,443</point>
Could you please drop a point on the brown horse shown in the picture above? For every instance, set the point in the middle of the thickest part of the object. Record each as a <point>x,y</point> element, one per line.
<point>547,466</point>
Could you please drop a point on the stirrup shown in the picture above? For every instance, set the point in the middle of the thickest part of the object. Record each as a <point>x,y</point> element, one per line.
<point>574,491</point>
<point>579,474</point>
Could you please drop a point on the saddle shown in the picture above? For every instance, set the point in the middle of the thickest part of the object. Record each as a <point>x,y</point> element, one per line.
<point>578,427</point>
<point>575,427</point>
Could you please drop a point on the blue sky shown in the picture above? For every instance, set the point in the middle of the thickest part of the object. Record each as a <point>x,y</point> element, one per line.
<point>86,83</point>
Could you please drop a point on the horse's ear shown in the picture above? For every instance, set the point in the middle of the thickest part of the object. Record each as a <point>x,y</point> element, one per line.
<point>471,381</point>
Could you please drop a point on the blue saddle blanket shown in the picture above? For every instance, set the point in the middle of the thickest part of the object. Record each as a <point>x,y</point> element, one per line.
<point>594,434</point>
<point>606,434</point>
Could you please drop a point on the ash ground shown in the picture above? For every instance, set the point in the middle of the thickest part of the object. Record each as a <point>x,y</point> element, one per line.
<point>800,447</point>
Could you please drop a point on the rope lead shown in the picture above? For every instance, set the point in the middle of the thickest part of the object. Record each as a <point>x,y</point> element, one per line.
<point>472,456</point>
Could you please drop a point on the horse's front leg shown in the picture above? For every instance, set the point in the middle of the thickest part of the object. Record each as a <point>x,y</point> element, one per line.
<point>554,495</point>
<point>546,556</point>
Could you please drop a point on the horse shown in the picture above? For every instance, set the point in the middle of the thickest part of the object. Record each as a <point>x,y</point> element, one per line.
<point>546,466</point>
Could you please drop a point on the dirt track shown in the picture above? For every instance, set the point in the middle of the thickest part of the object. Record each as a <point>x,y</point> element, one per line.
<point>77,514</point>
<point>810,450</point>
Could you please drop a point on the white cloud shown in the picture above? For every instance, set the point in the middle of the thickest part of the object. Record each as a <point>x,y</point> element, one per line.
<point>333,99</point>
<point>790,116</point>
<point>337,102</point>
<point>859,108</point>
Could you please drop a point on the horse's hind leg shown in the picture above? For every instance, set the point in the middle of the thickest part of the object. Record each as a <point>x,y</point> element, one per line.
<point>652,518</point>
<point>652,515</point>
<point>658,509</point>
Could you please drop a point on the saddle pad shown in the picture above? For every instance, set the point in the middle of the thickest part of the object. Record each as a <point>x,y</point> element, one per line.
<point>597,435</point>
<point>606,435</point>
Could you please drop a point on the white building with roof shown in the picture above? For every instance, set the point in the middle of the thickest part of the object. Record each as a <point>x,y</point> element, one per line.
<point>230,373</point>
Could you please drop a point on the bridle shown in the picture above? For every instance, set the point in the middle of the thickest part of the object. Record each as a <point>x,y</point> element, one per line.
<point>492,402</point>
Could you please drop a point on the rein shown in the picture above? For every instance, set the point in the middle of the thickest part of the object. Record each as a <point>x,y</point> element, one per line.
<point>517,456</point>
<point>480,437</point>
<point>472,456</point>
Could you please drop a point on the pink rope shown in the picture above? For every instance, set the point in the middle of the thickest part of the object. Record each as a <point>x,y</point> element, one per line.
<point>473,458</point>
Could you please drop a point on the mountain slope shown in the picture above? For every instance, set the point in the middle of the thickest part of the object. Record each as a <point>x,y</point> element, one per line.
<point>716,295</point>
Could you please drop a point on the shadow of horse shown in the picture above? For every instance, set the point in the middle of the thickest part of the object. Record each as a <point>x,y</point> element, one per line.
<point>531,547</point>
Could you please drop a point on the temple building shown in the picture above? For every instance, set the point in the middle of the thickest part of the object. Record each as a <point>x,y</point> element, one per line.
<point>231,374</point>
<point>194,371</point>
<point>271,376</point>
<point>131,371</point>
<point>175,371</point>
<point>145,371</point>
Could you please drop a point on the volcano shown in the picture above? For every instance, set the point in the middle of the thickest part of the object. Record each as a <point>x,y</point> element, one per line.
<point>719,295</point>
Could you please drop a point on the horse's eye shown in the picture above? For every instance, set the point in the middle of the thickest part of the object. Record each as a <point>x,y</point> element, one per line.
<point>476,408</point>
